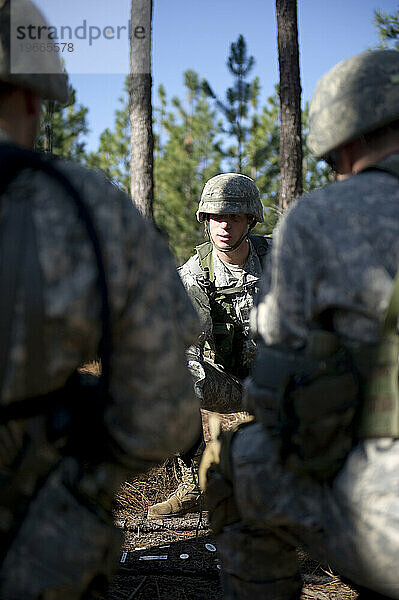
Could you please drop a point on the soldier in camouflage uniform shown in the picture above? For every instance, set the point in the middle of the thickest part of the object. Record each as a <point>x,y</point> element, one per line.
<point>57,536</point>
<point>222,280</point>
<point>334,260</point>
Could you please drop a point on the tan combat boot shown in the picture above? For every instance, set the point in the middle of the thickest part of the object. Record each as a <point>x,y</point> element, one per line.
<point>187,497</point>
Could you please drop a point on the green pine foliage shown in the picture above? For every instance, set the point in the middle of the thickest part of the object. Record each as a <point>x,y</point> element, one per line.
<point>113,152</point>
<point>262,155</point>
<point>235,109</point>
<point>63,128</point>
<point>388,28</point>
<point>186,156</point>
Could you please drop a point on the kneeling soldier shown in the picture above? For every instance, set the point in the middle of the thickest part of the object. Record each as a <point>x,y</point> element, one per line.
<point>221,279</point>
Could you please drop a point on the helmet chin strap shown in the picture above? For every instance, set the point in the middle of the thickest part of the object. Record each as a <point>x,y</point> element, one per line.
<point>230,248</point>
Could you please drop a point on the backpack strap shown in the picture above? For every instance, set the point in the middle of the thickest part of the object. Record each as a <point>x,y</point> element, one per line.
<point>11,255</point>
<point>32,281</point>
<point>76,408</point>
<point>204,252</point>
<point>20,224</point>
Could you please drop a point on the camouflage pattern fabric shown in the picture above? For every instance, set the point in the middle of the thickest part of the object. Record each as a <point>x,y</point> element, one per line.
<point>352,525</point>
<point>335,249</point>
<point>153,412</point>
<point>356,96</point>
<point>218,389</point>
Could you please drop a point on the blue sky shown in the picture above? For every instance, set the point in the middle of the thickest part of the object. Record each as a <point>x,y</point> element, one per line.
<point>196,34</point>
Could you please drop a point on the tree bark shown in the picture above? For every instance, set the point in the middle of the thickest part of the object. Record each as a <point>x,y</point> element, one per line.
<point>48,127</point>
<point>290,102</point>
<point>140,84</point>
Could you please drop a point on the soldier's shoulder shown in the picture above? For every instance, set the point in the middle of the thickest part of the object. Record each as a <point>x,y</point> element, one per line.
<point>339,191</point>
<point>190,268</point>
<point>333,203</point>
<point>262,243</point>
<point>88,179</point>
<point>314,201</point>
<point>106,199</point>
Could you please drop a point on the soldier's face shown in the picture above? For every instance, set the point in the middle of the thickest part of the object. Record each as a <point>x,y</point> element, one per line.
<point>226,230</point>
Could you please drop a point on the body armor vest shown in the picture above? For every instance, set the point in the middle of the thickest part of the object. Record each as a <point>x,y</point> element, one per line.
<point>226,347</point>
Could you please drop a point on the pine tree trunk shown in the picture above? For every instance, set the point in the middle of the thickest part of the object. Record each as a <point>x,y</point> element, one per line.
<point>290,102</point>
<point>48,127</point>
<point>141,138</point>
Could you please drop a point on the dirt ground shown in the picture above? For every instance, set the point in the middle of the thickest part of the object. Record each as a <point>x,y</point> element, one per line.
<point>177,559</point>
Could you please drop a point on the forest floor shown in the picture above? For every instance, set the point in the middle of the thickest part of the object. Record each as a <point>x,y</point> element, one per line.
<point>177,559</point>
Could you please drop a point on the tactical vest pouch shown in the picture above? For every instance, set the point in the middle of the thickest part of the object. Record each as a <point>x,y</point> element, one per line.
<point>317,417</point>
<point>223,334</point>
<point>324,411</point>
<point>321,413</point>
<point>311,399</point>
<point>378,374</point>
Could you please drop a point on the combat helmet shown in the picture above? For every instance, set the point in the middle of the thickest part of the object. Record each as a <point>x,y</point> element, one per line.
<point>230,193</point>
<point>357,96</point>
<point>40,71</point>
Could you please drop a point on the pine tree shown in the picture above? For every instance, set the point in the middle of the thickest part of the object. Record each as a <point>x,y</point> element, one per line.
<point>263,153</point>
<point>188,152</point>
<point>62,129</point>
<point>140,108</point>
<point>188,158</point>
<point>263,164</point>
<point>236,108</point>
<point>290,102</point>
